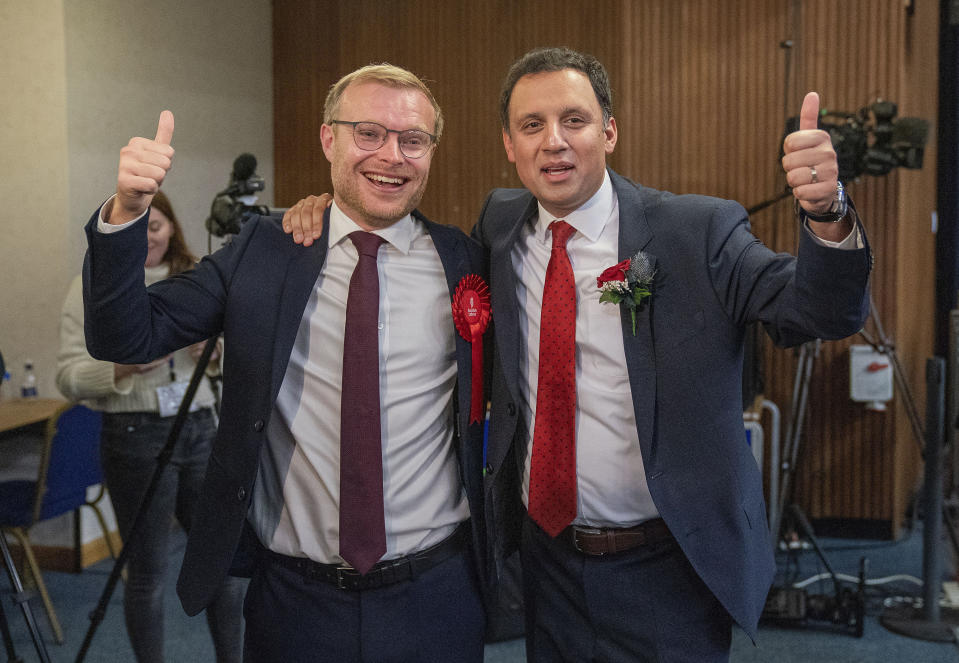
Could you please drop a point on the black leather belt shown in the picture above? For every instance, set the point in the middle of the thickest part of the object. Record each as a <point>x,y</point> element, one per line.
<point>382,574</point>
<point>604,541</point>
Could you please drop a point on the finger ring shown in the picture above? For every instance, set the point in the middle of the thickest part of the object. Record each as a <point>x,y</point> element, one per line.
<point>813,174</point>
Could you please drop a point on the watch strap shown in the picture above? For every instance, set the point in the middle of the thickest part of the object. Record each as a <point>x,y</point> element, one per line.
<point>837,211</point>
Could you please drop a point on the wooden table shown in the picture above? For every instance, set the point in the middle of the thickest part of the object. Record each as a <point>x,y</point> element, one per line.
<point>16,413</point>
<point>19,412</point>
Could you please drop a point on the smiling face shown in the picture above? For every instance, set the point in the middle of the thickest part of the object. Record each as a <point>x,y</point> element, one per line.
<point>377,188</point>
<point>159,232</point>
<point>557,139</point>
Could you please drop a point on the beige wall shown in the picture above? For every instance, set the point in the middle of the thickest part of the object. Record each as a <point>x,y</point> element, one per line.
<point>82,78</point>
<point>34,185</point>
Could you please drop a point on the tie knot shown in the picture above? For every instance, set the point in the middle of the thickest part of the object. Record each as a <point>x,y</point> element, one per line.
<point>562,231</point>
<point>366,244</point>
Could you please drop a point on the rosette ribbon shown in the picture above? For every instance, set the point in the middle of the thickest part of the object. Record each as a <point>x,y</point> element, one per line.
<point>471,314</point>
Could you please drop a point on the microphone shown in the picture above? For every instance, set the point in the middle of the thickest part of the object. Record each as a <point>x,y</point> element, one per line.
<point>244,166</point>
<point>243,180</point>
<point>235,204</point>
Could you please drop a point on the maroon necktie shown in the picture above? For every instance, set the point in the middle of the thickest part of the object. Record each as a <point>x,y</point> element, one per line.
<point>552,481</point>
<point>362,532</point>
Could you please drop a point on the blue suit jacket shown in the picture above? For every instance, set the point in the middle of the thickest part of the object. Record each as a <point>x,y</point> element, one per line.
<point>254,290</point>
<point>684,364</point>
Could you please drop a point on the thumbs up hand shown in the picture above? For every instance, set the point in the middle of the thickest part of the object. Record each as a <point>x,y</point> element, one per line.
<point>810,161</point>
<point>144,164</point>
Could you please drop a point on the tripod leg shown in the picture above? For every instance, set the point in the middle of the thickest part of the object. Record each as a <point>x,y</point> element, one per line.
<point>21,598</point>
<point>952,527</point>
<point>807,529</point>
<point>31,563</point>
<point>807,356</point>
<point>7,637</point>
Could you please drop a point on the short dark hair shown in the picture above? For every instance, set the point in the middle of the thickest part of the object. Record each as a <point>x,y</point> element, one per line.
<point>556,59</point>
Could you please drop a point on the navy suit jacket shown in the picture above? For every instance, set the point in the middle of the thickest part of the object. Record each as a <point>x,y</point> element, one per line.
<point>684,363</point>
<point>254,290</point>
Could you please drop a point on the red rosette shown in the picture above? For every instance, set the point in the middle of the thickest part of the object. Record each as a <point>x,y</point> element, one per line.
<point>471,315</point>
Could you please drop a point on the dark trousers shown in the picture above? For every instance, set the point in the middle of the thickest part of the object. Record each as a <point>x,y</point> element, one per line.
<point>130,444</point>
<point>643,605</point>
<point>437,617</point>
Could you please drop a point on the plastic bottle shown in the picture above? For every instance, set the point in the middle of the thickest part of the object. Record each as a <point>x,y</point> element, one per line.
<point>28,388</point>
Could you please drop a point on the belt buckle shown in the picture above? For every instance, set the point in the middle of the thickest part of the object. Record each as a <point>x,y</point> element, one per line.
<point>343,572</point>
<point>585,530</point>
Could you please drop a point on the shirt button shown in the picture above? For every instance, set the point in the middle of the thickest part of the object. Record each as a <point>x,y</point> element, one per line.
<point>258,425</point>
<point>241,494</point>
<point>380,326</point>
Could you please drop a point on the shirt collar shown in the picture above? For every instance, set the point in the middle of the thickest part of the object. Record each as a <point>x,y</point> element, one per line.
<point>399,234</point>
<point>589,219</point>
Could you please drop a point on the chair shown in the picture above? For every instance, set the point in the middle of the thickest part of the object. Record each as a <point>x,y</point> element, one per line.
<point>69,463</point>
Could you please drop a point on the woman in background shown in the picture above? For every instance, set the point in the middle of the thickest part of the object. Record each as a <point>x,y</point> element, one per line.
<point>137,402</point>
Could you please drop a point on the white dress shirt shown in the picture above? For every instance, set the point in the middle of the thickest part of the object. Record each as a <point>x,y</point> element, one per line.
<point>296,497</point>
<point>611,489</point>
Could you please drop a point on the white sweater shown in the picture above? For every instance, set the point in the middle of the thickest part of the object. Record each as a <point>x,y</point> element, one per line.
<point>80,377</point>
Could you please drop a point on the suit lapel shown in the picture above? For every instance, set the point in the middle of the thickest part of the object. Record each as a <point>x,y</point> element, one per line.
<point>634,235</point>
<point>505,305</point>
<point>451,251</point>
<point>298,282</point>
<point>451,247</point>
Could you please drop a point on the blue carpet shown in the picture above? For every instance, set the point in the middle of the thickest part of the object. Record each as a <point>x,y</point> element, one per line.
<point>76,595</point>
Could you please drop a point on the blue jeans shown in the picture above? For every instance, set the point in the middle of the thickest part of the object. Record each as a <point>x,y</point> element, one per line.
<point>130,445</point>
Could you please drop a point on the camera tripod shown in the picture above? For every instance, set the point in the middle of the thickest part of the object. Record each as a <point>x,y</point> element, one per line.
<point>808,354</point>
<point>928,623</point>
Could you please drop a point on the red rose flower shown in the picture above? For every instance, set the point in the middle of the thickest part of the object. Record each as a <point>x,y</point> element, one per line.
<point>614,273</point>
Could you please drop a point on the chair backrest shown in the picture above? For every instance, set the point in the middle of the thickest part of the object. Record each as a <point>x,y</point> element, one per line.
<point>70,461</point>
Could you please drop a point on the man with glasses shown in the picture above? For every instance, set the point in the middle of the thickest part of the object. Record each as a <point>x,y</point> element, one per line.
<point>353,501</point>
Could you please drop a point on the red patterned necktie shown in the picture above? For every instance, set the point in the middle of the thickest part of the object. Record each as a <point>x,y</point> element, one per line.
<point>552,481</point>
<point>362,530</point>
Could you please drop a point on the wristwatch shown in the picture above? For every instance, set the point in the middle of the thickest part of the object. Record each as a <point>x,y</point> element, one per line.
<point>837,211</point>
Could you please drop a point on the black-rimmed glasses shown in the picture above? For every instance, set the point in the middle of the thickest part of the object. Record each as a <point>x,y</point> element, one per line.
<point>371,136</point>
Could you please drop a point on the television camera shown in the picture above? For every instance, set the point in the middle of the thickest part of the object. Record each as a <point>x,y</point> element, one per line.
<point>872,141</point>
<point>236,203</point>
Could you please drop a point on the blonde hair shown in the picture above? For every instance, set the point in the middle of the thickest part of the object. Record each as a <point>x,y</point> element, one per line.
<point>384,74</point>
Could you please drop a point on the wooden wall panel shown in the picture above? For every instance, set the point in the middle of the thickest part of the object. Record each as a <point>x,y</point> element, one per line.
<point>702,91</point>
<point>913,326</point>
